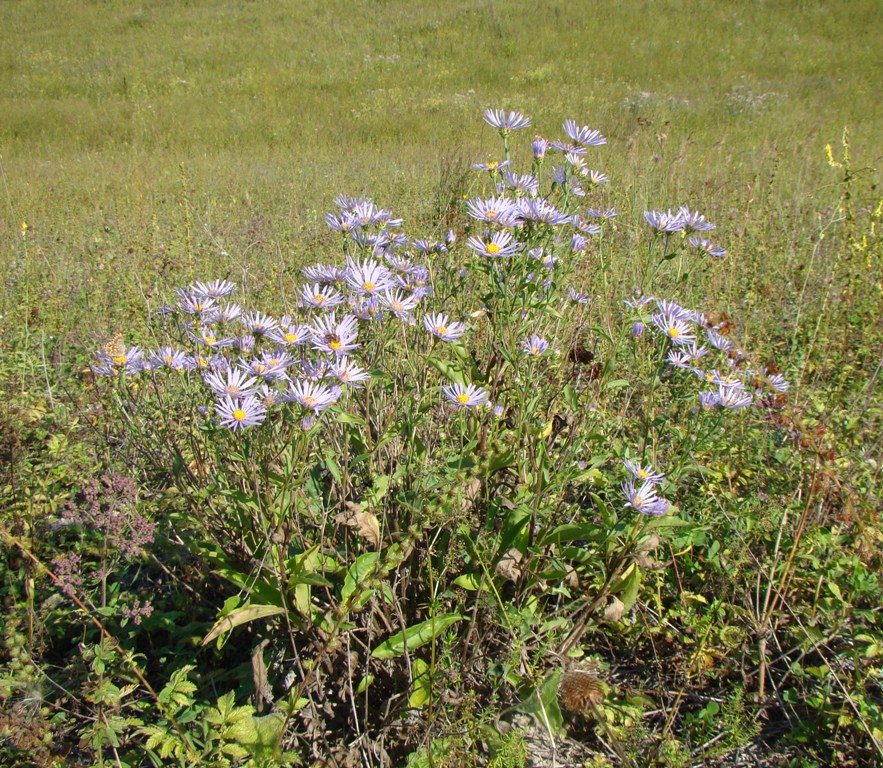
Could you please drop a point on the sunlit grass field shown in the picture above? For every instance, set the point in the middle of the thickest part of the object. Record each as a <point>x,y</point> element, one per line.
<point>147,145</point>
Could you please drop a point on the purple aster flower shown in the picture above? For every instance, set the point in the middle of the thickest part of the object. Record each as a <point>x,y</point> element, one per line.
<point>399,263</point>
<point>226,314</point>
<point>637,300</point>
<point>578,243</point>
<point>679,358</point>
<point>584,226</point>
<point>208,337</point>
<point>333,337</point>
<point>535,345</point>
<point>115,359</point>
<point>638,330</point>
<point>240,412</point>
<point>706,246</point>
<point>349,373</point>
<point>343,221</point>
<point>323,273</point>
<point>674,310</point>
<point>644,474</point>
<point>708,400</point>
<point>367,277</point>
<point>718,341</point>
<point>496,210</point>
<point>537,209</point>
<point>290,334</point>
<point>196,304</point>
<point>664,221</point>
<point>645,499</point>
<point>584,135</point>
<point>465,397</point>
<point>539,146</point>
<point>258,323</point>
<point>234,382</point>
<point>693,222</point>
<point>244,343</point>
<point>446,330</point>
<point>500,245</point>
<point>365,308</point>
<point>568,149</point>
<point>316,397</point>
<point>216,289</point>
<point>167,357</point>
<point>397,303</point>
<point>598,214</point>
<point>733,397</point>
<point>315,296</point>
<point>673,327</point>
<point>577,296</point>
<point>493,165</point>
<point>505,122</point>
<point>777,381</point>
<point>521,183</point>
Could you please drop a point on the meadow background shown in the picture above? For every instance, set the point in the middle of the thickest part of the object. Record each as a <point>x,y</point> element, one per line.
<point>145,145</point>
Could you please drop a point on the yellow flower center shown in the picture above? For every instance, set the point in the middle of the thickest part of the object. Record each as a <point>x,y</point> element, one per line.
<point>274,361</point>
<point>442,330</point>
<point>674,332</point>
<point>167,360</point>
<point>291,338</point>
<point>309,401</point>
<point>492,248</point>
<point>238,414</point>
<point>335,345</point>
<point>638,501</point>
<point>209,339</point>
<point>320,299</point>
<point>260,368</point>
<point>643,474</point>
<point>491,214</point>
<point>119,360</point>
<point>369,286</point>
<point>463,399</point>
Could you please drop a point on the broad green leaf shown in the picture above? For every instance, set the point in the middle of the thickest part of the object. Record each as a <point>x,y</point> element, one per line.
<point>450,371</point>
<point>421,689</point>
<point>573,532</point>
<point>238,617</point>
<point>468,581</point>
<point>543,704</point>
<point>358,573</point>
<point>415,636</point>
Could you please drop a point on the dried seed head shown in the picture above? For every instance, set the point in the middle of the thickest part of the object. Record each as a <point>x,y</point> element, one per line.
<point>580,691</point>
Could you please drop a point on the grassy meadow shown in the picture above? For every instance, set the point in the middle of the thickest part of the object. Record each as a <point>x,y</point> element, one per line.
<point>405,579</point>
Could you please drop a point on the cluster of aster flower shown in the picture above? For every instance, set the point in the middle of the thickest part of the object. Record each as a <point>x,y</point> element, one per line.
<point>518,209</point>
<point>688,223</point>
<point>251,362</point>
<point>692,338</point>
<point>645,497</point>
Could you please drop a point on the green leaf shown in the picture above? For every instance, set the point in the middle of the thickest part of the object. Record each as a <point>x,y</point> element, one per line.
<point>543,704</point>
<point>468,581</point>
<point>627,585</point>
<point>238,617</point>
<point>415,636</point>
<point>448,370</point>
<point>420,692</point>
<point>572,532</point>
<point>356,578</point>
